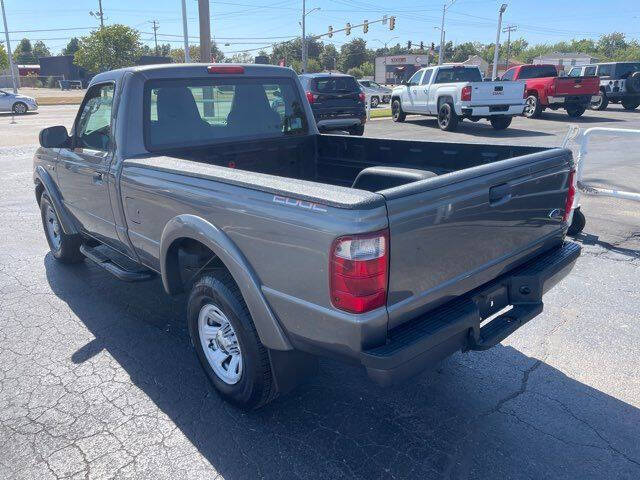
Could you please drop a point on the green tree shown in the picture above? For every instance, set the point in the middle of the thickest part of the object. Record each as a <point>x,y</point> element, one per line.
<point>23,54</point>
<point>177,54</point>
<point>113,46</point>
<point>4,58</point>
<point>353,54</point>
<point>355,72</point>
<point>329,57</point>
<point>72,47</point>
<point>610,45</point>
<point>40,50</point>
<point>463,51</point>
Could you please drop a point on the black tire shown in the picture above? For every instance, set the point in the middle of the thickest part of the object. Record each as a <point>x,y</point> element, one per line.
<point>630,104</point>
<point>64,248</point>
<point>602,103</point>
<point>375,101</point>
<point>20,108</point>
<point>532,108</point>
<point>575,111</point>
<point>500,122</point>
<point>256,386</point>
<point>397,113</point>
<point>447,118</point>
<point>357,131</point>
<point>577,223</point>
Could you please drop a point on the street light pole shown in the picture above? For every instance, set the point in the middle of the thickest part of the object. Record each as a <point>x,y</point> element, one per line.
<point>494,74</point>
<point>441,52</point>
<point>205,31</point>
<point>304,38</point>
<point>6,33</point>
<point>185,32</point>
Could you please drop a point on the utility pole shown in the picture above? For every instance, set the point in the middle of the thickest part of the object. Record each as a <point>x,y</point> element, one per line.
<point>304,37</point>
<point>494,74</point>
<point>508,29</point>
<point>187,55</point>
<point>441,52</point>
<point>6,33</point>
<point>155,35</point>
<point>99,14</point>
<point>205,31</point>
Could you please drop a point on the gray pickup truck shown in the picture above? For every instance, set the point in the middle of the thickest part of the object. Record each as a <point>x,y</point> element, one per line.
<point>291,245</point>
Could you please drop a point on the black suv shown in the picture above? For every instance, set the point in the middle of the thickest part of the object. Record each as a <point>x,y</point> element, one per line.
<point>336,100</point>
<point>619,82</point>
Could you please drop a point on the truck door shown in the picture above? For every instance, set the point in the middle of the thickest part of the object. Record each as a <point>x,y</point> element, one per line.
<point>423,91</point>
<point>83,168</point>
<point>413,87</point>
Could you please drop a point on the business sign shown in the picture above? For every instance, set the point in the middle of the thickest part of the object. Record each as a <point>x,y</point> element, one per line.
<point>398,59</point>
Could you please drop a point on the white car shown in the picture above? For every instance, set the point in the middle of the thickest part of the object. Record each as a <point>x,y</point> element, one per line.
<point>376,93</point>
<point>456,92</point>
<point>16,103</point>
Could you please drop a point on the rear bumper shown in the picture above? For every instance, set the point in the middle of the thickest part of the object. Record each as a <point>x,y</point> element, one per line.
<point>418,344</point>
<point>491,110</point>
<point>573,99</point>
<point>339,123</point>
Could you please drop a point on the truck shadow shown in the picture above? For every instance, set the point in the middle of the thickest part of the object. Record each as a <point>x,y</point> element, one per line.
<point>482,128</point>
<point>590,116</point>
<point>500,414</point>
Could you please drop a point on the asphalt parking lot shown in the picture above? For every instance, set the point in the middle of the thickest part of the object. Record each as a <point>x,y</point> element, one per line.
<point>98,379</point>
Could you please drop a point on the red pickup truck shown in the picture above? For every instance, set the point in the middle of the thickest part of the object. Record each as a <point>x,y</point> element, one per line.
<point>545,89</point>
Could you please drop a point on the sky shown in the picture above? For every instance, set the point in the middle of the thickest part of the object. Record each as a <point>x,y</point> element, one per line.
<point>250,24</point>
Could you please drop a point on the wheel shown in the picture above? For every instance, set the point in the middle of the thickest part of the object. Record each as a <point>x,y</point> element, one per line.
<point>375,101</point>
<point>630,104</point>
<point>20,108</point>
<point>447,118</point>
<point>226,342</point>
<point>358,131</point>
<point>601,103</point>
<point>396,111</point>
<point>577,223</point>
<point>575,111</point>
<point>500,122</point>
<point>385,99</point>
<point>65,248</point>
<point>532,107</point>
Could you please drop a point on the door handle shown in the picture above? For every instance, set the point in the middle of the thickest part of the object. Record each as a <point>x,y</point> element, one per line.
<point>499,195</point>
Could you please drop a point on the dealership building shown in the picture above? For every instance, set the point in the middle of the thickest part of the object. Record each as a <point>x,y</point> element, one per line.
<point>396,68</point>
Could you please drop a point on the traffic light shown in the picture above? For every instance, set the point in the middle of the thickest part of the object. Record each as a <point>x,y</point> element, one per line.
<point>433,47</point>
<point>421,45</point>
<point>347,30</point>
<point>330,31</point>
<point>409,45</point>
<point>392,23</point>
<point>365,26</point>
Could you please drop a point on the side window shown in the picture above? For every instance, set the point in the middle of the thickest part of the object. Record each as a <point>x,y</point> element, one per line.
<point>93,130</point>
<point>604,70</point>
<point>588,71</point>
<point>415,78</point>
<point>575,72</point>
<point>427,76</point>
<point>508,75</point>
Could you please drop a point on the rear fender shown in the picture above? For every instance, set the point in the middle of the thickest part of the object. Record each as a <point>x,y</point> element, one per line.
<point>66,221</point>
<point>196,228</point>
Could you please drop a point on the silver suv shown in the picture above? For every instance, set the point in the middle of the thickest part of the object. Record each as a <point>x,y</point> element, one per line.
<point>375,92</point>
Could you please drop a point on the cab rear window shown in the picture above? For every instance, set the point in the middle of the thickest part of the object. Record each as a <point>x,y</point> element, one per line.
<point>192,112</point>
<point>538,71</point>
<point>335,84</point>
<point>458,74</point>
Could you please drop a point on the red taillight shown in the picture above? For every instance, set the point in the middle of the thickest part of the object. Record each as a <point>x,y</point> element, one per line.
<point>229,70</point>
<point>311,97</point>
<point>571,194</point>
<point>466,94</point>
<point>359,267</point>
<point>362,97</point>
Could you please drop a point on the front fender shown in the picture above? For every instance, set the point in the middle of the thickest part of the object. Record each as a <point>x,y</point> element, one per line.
<point>40,174</point>
<point>196,228</point>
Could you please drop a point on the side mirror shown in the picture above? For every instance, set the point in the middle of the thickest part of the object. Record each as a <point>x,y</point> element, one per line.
<point>54,137</point>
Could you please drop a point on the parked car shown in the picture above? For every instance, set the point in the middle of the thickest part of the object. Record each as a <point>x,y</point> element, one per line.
<point>16,103</point>
<point>619,83</point>
<point>375,92</point>
<point>291,244</point>
<point>337,101</point>
<point>455,92</point>
<point>545,89</point>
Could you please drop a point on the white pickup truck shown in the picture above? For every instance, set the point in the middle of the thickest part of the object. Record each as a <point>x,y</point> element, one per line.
<point>456,92</point>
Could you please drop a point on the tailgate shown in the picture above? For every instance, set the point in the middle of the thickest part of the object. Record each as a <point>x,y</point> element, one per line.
<point>497,93</point>
<point>576,86</point>
<point>454,233</point>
